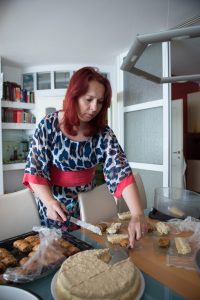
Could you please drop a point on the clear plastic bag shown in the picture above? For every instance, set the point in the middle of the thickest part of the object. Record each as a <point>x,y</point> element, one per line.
<point>47,258</point>
<point>192,226</point>
<point>179,260</point>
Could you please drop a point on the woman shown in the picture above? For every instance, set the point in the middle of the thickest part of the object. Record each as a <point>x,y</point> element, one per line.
<point>66,147</point>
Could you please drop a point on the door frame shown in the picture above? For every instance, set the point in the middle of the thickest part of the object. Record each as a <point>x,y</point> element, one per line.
<point>1,148</point>
<point>177,155</point>
<point>165,103</point>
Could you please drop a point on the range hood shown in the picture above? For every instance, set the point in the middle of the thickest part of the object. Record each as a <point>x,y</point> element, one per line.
<point>143,43</point>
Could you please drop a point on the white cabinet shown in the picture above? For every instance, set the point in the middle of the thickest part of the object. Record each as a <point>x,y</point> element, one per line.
<point>14,136</point>
<point>20,105</point>
<point>17,105</point>
<point>16,127</point>
<point>15,144</point>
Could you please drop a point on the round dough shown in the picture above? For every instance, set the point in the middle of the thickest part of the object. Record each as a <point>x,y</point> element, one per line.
<point>87,275</point>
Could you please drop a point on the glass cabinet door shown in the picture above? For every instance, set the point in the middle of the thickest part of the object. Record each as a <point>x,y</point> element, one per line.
<point>28,82</point>
<point>61,79</point>
<point>44,81</point>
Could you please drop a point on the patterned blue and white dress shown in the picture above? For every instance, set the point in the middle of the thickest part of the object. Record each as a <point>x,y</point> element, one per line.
<point>51,150</point>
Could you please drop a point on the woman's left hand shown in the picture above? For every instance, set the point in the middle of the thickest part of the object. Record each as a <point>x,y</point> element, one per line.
<point>136,229</point>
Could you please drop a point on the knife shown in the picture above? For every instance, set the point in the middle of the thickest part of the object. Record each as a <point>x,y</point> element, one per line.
<point>83,224</point>
<point>118,254</point>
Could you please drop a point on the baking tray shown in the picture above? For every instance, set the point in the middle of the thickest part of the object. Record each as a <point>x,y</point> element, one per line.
<point>8,244</point>
<point>157,215</point>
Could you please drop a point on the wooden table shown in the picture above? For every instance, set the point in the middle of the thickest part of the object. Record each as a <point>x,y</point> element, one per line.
<point>182,281</point>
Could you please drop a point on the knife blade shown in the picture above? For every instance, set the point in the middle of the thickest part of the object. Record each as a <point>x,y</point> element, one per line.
<point>118,254</point>
<point>84,224</point>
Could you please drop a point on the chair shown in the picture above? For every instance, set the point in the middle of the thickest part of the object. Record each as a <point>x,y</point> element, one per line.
<point>18,213</point>
<point>99,205</point>
<point>121,202</point>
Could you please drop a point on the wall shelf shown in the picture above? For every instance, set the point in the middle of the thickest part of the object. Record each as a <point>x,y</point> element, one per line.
<point>15,104</point>
<point>14,166</point>
<point>19,126</point>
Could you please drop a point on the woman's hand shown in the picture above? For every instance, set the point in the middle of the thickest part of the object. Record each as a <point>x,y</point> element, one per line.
<point>136,229</point>
<point>56,211</point>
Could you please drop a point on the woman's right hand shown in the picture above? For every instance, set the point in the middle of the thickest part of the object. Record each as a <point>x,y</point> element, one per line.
<point>56,211</point>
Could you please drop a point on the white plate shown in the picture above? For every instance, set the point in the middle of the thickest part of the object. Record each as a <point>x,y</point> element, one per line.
<point>197,260</point>
<point>11,292</point>
<point>138,297</point>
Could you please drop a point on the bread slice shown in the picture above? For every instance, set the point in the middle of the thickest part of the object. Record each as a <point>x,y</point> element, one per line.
<point>162,228</point>
<point>163,242</point>
<point>182,245</point>
<point>114,228</point>
<point>117,238</point>
<point>176,211</point>
<point>125,215</point>
<point>124,243</point>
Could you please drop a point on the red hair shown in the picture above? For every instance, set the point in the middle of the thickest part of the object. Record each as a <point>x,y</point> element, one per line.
<point>78,87</point>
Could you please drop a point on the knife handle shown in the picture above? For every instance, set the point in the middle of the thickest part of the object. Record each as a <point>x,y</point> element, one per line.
<point>67,222</point>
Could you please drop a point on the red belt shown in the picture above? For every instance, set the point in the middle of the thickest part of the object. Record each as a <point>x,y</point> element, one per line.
<point>71,178</point>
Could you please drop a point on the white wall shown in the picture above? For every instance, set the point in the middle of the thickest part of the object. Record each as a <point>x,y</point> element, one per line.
<point>13,181</point>
<point>11,73</point>
<point>43,102</point>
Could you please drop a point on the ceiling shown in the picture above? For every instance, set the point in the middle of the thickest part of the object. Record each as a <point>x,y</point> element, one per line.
<point>90,32</point>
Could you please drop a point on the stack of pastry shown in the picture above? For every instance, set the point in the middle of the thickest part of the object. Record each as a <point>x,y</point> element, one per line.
<point>36,255</point>
<point>6,259</point>
<point>47,255</point>
<point>30,243</point>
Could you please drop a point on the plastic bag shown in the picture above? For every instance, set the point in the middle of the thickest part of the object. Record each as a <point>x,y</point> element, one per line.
<point>47,258</point>
<point>189,224</point>
<point>192,225</point>
<point>179,260</point>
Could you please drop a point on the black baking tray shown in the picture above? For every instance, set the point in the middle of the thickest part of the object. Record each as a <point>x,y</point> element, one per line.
<point>76,241</point>
<point>8,244</point>
<point>158,215</point>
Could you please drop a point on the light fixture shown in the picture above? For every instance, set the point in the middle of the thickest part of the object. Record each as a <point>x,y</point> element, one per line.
<point>145,40</point>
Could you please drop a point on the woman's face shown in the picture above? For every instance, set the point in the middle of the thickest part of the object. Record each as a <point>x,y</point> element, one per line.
<point>90,104</point>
